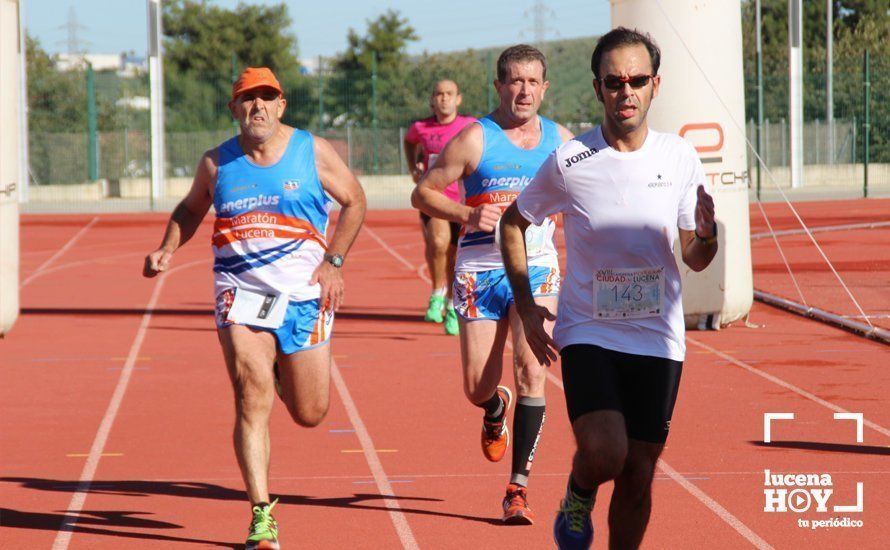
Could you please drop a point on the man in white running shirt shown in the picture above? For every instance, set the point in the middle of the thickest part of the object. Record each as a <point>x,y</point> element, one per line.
<point>627,193</point>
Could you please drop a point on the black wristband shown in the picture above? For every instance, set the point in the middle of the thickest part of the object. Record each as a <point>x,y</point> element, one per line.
<point>709,240</point>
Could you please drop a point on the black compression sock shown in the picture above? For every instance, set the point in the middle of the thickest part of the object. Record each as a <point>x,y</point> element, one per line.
<point>528,420</point>
<point>494,407</point>
<point>586,494</point>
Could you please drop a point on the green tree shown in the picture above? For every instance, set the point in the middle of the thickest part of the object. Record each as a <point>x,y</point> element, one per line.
<point>56,115</point>
<point>851,12</point>
<point>858,25</point>
<point>56,100</point>
<point>872,33</point>
<point>570,98</point>
<point>387,38</point>
<point>206,44</point>
<point>466,68</point>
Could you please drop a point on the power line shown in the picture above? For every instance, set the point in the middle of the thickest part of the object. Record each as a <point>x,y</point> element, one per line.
<point>76,45</point>
<point>540,13</point>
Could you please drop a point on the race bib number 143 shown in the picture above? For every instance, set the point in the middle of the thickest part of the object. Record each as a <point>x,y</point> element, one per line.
<point>628,293</point>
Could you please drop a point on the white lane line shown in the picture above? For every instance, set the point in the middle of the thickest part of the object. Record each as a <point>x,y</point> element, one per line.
<point>784,384</point>
<point>63,537</point>
<point>368,252</point>
<point>423,271</point>
<point>703,497</point>
<point>59,252</point>
<point>848,227</point>
<point>383,484</point>
<point>99,260</point>
<point>713,505</point>
<point>373,234</point>
<point>116,244</point>
<point>499,475</point>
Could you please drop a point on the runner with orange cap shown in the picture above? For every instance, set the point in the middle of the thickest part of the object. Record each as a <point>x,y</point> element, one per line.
<point>277,277</point>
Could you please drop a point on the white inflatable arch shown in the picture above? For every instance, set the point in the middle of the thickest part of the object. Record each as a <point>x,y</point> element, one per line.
<point>11,58</point>
<point>702,99</point>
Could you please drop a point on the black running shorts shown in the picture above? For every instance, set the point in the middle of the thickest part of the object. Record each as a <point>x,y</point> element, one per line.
<point>640,387</point>
<point>455,228</point>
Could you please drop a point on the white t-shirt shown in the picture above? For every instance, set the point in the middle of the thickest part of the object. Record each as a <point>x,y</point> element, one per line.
<point>621,213</point>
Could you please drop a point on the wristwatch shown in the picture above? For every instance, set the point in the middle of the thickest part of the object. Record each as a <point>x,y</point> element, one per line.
<point>335,260</point>
<point>709,240</point>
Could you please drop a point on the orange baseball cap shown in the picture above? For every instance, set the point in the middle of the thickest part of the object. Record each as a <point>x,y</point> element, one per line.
<point>255,77</point>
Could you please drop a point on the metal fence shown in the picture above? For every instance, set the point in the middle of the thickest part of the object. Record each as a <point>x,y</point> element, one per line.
<point>826,143</point>
<point>59,158</point>
<point>365,120</point>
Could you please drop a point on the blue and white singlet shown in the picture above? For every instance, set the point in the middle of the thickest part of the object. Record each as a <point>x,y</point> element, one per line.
<point>503,172</point>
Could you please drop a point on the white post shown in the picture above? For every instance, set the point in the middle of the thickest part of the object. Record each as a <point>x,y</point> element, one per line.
<point>795,99</point>
<point>24,168</point>
<point>402,168</point>
<point>783,133</point>
<point>765,154</point>
<point>759,40</point>
<point>702,99</point>
<point>829,107</point>
<point>818,139</point>
<point>156,80</point>
<point>11,56</point>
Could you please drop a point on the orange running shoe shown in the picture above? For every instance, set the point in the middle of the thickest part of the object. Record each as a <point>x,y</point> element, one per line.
<point>516,510</point>
<point>496,435</point>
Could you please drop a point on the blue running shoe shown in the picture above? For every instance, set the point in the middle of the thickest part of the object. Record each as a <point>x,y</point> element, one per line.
<point>573,529</point>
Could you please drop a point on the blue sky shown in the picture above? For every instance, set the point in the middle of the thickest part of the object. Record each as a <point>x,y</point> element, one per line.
<point>321,27</point>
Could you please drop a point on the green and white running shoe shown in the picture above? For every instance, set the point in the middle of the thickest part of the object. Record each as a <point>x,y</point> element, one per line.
<point>263,531</point>
<point>451,325</point>
<point>434,311</point>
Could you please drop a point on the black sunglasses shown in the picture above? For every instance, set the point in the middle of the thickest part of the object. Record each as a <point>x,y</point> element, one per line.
<point>612,82</point>
<point>264,94</point>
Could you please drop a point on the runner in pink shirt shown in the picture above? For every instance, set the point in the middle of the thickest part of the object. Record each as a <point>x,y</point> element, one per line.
<point>429,136</point>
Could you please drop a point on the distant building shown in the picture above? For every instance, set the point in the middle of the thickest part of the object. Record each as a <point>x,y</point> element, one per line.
<point>309,65</point>
<point>78,62</point>
<point>137,103</point>
<point>132,65</point>
<point>125,65</point>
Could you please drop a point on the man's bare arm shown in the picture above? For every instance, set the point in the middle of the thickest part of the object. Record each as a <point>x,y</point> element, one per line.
<point>512,229</point>
<point>697,253</point>
<point>341,184</point>
<point>414,167</point>
<point>564,133</point>
<point>457,160</point>
<point>344,188</point>
<point>700,246</point>
<point>187,216</point>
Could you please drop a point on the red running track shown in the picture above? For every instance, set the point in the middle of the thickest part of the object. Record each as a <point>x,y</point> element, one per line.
<point>856,244</point>
<point>117,412</point>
